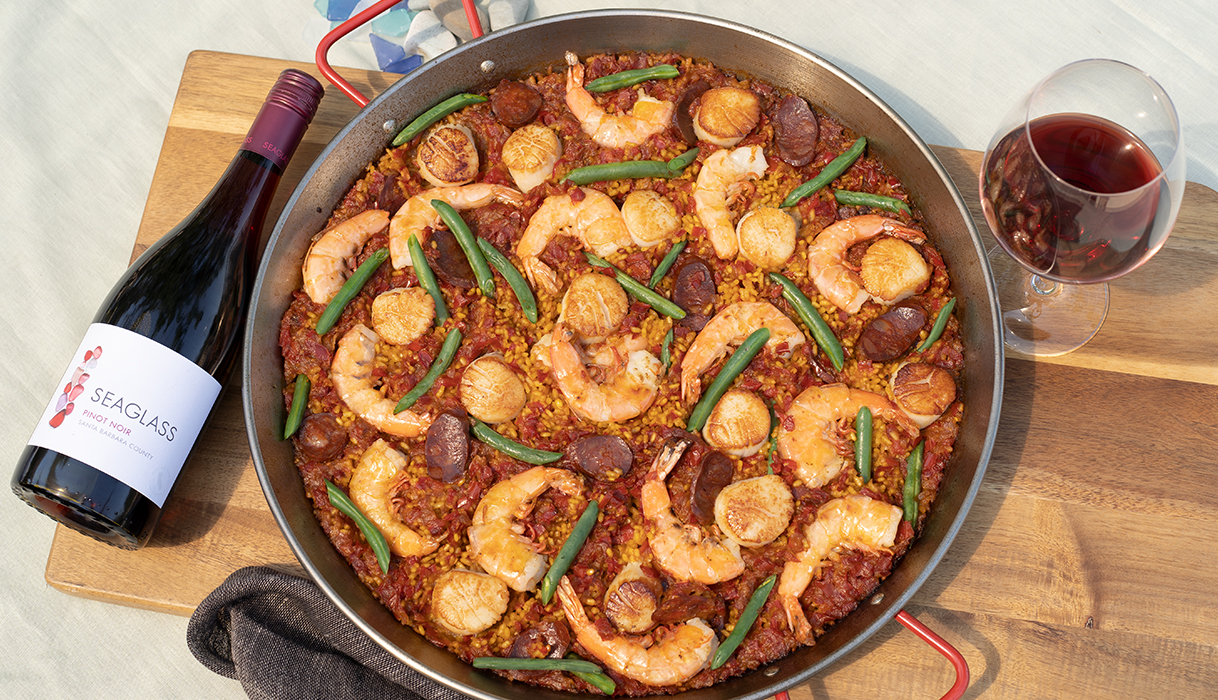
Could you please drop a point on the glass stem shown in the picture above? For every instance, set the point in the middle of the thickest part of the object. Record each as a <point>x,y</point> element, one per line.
<point>1044,287</point>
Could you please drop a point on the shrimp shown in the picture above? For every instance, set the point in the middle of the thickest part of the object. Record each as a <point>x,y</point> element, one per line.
<point>683,551</point>
<point>814,442</point>
<point>351,373</point>
<point>417,215</point>
<point>857,522</point>
<point>369,489</point>
<point>595,220</point>
<point>331,256</point>
<point>720,177</point>
<point>731,326</point>
<point>631,384</point>
<point>847,288</point>
<point>497,540</point>
<point>647,117</point>
<point>687,649</point>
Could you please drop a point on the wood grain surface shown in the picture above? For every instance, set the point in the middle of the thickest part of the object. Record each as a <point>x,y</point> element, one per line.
<point>1082,569</point>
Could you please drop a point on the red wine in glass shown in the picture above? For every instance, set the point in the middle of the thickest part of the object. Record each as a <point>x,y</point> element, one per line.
<point>1080,202</point>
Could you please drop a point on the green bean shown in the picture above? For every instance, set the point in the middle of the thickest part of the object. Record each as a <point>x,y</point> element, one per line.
<point>510,447</point>
<point>807,313</point>
<point>913,482</point>
<point>506,663</point>
<point>666,351</point>
<point>866,199</point>
<point>566,555</point>
<point>828,174</point>
<point>448,350</point>
<point>300,398</point>
<point>733,367</point>
<point>862,446</point>
<point>666,264</point>
<point>940,324</point>
<point>681,162</point>
<point>622,170</point>
<point>349,289</point>
<point>639,290</point>
<point>515,280</point>
<point>627,78</point>
<point>434,115</point>
<point>427,278</point>
<point>380,548</point>
<point>465,239</point>
<point>602,682</point>
<point>745,623</point>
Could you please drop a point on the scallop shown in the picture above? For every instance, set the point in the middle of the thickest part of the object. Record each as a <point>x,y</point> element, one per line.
<point>631,600</point>
<point>448,156</point>
<point>467,602</point>
<point>530,154</point>
<point>726,115</point>
<point>754,512</point>
<point>922,391</point>
<point>739,424</point>
<point>767,237</point>
<point>594,306</point>
<point>893,270</point>
<point>401,316</point>
<point>491,391</point>
<point>651,218</point>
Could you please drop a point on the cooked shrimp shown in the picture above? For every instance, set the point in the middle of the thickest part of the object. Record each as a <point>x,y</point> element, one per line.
<point>646,118</point>
<point>417,215</point>
<point>447,157</point>
<point>844,286</point>
<point>496,539</point>
<point>922,391</point>
<point>594,306</point>
<point>726,115</point>
<point>857,522</point>
<point>369,489</point>
<point>739,424</point>
<point>724,173</point>
<point>594,220</point>
<point>651,218</point>
<point>632,378</point>
<point>402,315</point>
<point>683,551</point>
<point>767,237</point>
<point>753,512</point>
<point>530,154</point>
<point>468,602</point>
<point>331,256</point>
<point>730,327</point>
<point>815,441</point>
<point>491,390</point>
<point>680,655</point>
<point>351,373</point>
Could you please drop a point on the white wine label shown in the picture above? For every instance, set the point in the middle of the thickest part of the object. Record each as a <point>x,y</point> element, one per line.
<point>130,407</point>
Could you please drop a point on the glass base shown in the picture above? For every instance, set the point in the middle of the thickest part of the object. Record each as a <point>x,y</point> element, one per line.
<point>1043,318</point>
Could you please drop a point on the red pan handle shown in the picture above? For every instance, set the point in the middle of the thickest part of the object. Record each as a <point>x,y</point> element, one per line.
<point>323,63</point>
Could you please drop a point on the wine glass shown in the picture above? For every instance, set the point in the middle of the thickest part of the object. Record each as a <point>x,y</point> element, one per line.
<point>1080,185</point>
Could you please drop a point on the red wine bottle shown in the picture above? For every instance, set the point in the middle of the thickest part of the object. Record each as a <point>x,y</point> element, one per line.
<point>113,439</point>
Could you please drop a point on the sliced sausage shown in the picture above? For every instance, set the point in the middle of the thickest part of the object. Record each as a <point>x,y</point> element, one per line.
<point>515,104</point>
<point>714,473</point>
<point>321,437</point>
<point>683,116</point>
<point>544,640</point>
<point>447,446</point>
<point>600,457</point>
<point>893,333</point>
<point>795,131</point>
<point>688,599</point>
<point>448,260</point>
<point>693,287</point>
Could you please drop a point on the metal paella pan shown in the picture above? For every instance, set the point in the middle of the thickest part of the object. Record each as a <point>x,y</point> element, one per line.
<point>523,49</point>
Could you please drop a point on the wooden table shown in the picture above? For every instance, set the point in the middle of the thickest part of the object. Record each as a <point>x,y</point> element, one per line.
<point>1068,580</point>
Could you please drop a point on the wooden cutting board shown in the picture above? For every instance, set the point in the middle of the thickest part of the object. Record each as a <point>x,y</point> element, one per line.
<point>1083,569</point>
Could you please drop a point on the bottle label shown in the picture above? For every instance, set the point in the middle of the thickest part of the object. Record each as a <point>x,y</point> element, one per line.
<point>130,407</point>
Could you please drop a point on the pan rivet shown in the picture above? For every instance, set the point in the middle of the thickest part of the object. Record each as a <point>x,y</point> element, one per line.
<point>771,672</point>
<point>389,126</point>
<point>877,599</point>
<point>488,66</point>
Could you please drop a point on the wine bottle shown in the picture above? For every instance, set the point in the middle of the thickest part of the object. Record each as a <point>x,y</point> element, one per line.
<point>111,442</point>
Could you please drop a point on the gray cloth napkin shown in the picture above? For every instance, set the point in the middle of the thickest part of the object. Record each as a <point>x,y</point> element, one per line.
<point>281,637</point>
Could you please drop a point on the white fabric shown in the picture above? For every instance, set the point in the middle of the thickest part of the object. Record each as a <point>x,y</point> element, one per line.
<point>87,89</point>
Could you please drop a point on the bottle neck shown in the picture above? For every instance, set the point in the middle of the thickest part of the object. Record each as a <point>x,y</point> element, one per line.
<point>274,135</point>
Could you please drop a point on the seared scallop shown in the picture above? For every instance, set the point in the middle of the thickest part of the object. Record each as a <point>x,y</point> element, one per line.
<point>401,316</point>
<point>631,600</point>
<point>467,602</point>
<point>753,512</point>
<point>448,156</point>
<point>491,391</point>
<point>922,391</point>
<point>651,218</point>
<point>893,270</point>
<point>530,154</point>
<point>767,237</point>
<point>726,115</point>
<point>739,424</point>
<point>594,306</point>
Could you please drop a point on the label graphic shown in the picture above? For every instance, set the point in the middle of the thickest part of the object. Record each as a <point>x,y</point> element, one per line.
<point>64,406</point>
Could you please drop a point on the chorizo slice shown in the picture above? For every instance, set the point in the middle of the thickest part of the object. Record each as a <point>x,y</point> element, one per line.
<point>795,131</point>
<point>514,103</point>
